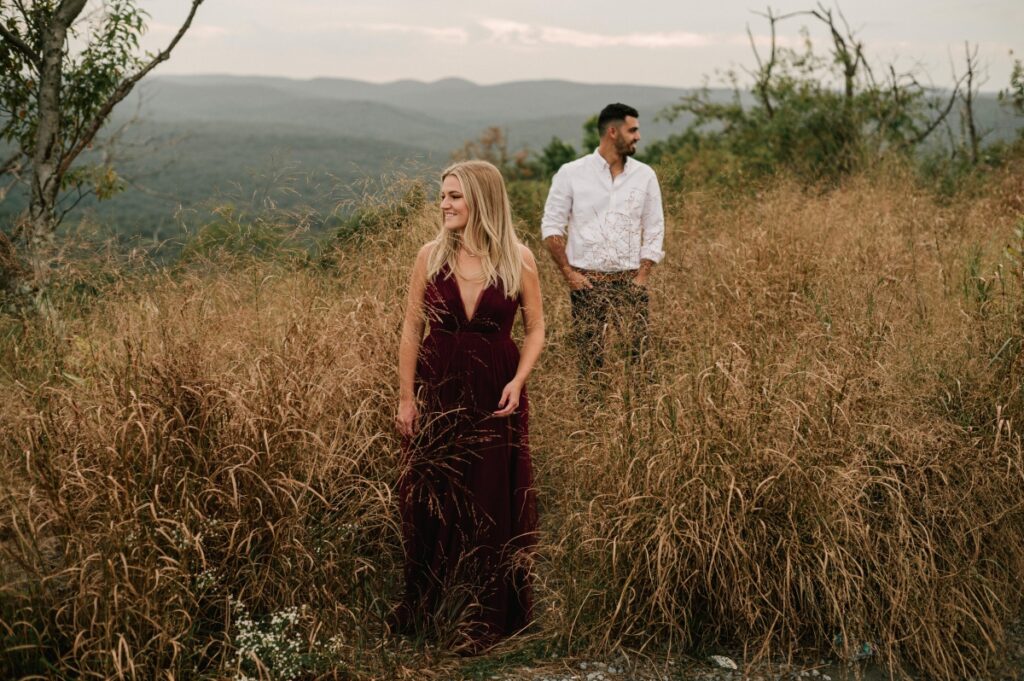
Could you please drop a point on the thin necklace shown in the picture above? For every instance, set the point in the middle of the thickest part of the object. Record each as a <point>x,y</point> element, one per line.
<point>460,273</point>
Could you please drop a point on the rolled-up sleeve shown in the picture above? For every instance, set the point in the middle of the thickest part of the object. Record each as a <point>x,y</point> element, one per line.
<point>652,224</point>
<point>558,206</point>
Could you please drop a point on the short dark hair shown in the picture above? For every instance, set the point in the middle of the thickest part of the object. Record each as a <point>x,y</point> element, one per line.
<point>614,113</point>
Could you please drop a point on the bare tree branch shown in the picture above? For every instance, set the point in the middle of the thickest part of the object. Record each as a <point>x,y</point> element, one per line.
<point>938,120</point>
<point>82,193</point>
<point>7,188</point>
<point>764,71</point>
<point>763,75</point>
<point>17,43</point>
<point>124,88</point>
<point>22,9</point>
<point>967,95</point>
<point>850,59</point>
<point>872,83</point>
<point>10,163</point>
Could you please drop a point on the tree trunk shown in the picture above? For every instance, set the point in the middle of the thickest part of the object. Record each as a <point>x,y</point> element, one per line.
<point>47,152</point>
<point>973,138</point>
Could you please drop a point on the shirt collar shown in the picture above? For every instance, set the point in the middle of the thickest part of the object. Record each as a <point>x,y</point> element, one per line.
<point>604,165</point>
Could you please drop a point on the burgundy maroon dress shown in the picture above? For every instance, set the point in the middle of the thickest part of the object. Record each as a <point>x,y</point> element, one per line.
<point>467,502</point>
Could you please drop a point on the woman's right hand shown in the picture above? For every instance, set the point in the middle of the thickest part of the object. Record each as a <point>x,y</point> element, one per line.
<point>407,419</point>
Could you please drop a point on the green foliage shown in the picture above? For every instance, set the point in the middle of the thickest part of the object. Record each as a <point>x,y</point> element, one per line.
<point>1015,253</point>
<point>957,172</point>
<point>234,234</point>
<point>492,146</point>
<point>591,135</point>
<point>17,85</point>
<point>379,212</point>
<point>64,71</point>
<point>179,179</point>
<point>527,198</point>
<point>556,154</point>
<point>1014,95</point>
<point>102,178</point>
<point>90,76</point>
<point>496,665</point>
<point>817,117</point>
<point>952,174</point>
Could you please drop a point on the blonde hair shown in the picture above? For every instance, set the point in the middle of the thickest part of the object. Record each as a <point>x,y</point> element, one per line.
<point>488,233</point>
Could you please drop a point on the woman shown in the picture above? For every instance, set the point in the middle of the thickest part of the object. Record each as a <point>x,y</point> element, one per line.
<point>466,496</point>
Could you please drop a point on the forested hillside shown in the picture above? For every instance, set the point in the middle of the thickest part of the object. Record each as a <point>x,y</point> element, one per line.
<point>185,145</point>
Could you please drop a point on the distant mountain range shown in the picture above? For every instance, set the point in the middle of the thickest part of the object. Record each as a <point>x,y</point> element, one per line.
<point>190,142</point>
<point>437,116</point>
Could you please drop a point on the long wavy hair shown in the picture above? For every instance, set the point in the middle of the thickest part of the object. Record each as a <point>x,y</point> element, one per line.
<point>488,233</point>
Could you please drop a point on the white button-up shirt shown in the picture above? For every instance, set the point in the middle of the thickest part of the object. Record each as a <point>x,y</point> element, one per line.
<point>611,224</point>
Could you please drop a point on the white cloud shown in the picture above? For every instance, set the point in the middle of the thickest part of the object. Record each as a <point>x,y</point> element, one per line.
<point>159,29</point>
<point>554,35</point>
<point>504,31</point>
<point>508,32</point>
<point>454,36</point>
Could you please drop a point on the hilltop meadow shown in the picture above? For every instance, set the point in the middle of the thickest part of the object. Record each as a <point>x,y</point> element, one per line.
<point>199,458</point>
<point>200,315</point>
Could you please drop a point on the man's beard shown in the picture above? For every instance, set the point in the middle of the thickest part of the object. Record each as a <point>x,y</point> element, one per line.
<point>626,149</point>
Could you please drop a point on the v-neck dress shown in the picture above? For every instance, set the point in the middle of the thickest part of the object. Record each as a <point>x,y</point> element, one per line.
<point>466,494</point>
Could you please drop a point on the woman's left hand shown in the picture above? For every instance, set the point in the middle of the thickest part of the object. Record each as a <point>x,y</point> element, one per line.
<point>509,401</point>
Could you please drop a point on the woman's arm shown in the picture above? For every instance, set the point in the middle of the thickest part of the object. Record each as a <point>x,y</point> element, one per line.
<point>407,419</point>
<point>533,342</point>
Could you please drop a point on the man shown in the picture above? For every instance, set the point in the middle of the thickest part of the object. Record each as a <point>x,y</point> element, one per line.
<point>604,227</point>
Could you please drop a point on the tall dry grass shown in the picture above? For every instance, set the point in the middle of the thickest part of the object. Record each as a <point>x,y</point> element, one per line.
<point>827,456</point>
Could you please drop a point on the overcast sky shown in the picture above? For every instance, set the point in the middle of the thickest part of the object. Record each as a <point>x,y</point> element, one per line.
<point>651,42</point>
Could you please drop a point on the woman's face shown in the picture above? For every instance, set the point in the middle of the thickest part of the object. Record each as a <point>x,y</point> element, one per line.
<point>454,211</point>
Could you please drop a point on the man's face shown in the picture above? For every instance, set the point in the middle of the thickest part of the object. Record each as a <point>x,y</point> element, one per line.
<point>626,135</point>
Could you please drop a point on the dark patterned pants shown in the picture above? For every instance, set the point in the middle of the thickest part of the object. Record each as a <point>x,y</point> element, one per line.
<point>619,303</point>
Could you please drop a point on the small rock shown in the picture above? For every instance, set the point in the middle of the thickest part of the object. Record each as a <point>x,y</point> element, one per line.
<point>583,665</point>
<point>722,662</point>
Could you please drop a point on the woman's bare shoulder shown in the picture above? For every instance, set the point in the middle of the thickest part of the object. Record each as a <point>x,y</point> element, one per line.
<point>527,256</point>
<point>426,250</point>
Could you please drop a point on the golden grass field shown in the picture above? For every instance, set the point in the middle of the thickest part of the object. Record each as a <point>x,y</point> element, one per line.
<point>829,454</point>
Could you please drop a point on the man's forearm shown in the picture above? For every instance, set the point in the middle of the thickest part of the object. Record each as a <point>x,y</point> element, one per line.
<point>556,247</point>
<point>575,280</point>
